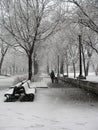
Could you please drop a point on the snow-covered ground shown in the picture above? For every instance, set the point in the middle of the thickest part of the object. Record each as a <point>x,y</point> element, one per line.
<point>6,82</point>
<point>54,108</point>
<point>90,77</point>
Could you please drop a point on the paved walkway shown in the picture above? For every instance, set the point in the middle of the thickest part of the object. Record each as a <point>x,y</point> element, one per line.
<point>69,108</point>
<point>42,84</point>
<point>71,92</point>
<point>58,107</point>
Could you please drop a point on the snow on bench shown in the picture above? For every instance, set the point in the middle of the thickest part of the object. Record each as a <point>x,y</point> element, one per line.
<point>17,85</point>
<point>27,89</point>
<point>11,90</point>
<point>29,93</point>
<point>15,91</point>
<point>11,94</point>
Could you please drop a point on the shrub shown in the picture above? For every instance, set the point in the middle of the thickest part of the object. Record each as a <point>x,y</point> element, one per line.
<point>20,78</point>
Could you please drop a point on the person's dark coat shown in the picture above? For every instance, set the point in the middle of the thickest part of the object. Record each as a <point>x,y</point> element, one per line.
<point>52,75</point>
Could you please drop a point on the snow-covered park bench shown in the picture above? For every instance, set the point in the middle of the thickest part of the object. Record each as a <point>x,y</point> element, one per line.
<point>22,88</point>
<point>14,92</point>
<point>28,92</point>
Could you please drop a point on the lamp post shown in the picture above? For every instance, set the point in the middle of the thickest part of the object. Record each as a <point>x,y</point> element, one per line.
<point>80,58</point>
<point>58,65</point>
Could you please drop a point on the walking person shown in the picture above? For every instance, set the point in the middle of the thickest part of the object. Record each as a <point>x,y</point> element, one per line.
<point>56,78</point>
<point>52,75</point>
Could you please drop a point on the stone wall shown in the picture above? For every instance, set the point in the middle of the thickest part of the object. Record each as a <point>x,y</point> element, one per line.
<point>87,85</point>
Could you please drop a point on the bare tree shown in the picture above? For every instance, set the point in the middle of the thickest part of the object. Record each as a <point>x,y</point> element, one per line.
<point>73,51</point>
<point>3,50</point>
<point>28,22</point>
<point>87,14</point>
<point>4,46</point>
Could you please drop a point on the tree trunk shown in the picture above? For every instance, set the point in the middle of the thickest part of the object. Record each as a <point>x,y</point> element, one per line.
<point>35,64</point>
<point>96,70</point>
<point>30,67</point>
<point>84,65</point>
<point>88,65</point>
<point>74,69</point>
<point>87,68</point>
<point>62,67</point>
<point>47,69</point>
<point>35,67</point>
<point>1,62</point>
<point>0,68</point>
<point>67,69</point>
<point>84,62</point>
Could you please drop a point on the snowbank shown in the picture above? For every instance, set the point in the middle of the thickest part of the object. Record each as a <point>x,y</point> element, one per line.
<point>90,77</point>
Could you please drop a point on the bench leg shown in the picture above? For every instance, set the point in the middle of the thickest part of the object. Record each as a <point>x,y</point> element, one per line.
<point>27,97</point>
<point>31,97</point>
<point>11,98</point>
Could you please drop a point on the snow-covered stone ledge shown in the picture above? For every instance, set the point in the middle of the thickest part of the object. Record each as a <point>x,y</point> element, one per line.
<point>87,85</point>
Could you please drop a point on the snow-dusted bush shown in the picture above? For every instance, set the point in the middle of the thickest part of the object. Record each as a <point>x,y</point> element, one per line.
<point>20,78</point>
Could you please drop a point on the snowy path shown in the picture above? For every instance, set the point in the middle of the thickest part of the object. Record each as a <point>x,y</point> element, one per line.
<point>54,108</point>
<point>6,82</point>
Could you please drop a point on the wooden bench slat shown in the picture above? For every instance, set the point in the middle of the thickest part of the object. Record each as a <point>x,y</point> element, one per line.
<point>10,91</point>
<point>27,89</point>
<point>30,91</point>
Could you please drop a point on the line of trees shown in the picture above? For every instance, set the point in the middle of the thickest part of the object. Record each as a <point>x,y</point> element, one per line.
<point>79,17</point>
<point>28,22</point>
<point>30,25</point>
